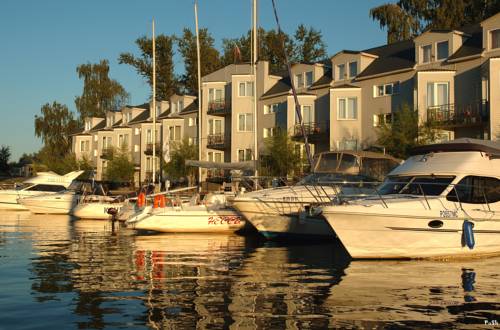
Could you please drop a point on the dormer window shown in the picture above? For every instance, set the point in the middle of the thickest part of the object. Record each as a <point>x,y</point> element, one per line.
<point>442,50</point>
<point>353,69</point>
<point>341,71</point>
<point>495,39</point>
<point>88,125</point>
<point>299,80</point>
<point>426,53</point>
<point>180,106</point>
<point>174,107</point>
<point>309,78</point>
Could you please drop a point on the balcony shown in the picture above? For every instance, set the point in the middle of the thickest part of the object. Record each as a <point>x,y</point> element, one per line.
<point>107,153</point>
<point>218,141</point>
<point>314,131</point>
<point>457,115</point>
<point>149,148</point>
<point>218,107</point>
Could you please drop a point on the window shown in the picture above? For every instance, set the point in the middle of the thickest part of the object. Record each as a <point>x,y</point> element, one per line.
<point>106,142</point>
<point>348,108</point>
<point>190,141</point>
<point>82,146</point>
<point>495,39</point>
<point>386,89</point>
<point>215,126</point>
<point>87,145</point>
<point>341,71</point>
<point>245,88</point>
<point>136,148</point>
<point>382,119</point>
<point>437,94</point>
<point>353,69</point>
<point>309,78</point>
<point>137,131</point>
<point>476,190</point>
<point>149,136</point>
<point>269,132</point>
<point>245,122</point>
<point>214,157</point>
<point>442,50</point>
<point>244,154</point>
<point>180,105</point>
<point>426,53</point>
<point>174,133</point>
<point>418,185</point>
<point>299,80</point>
<point>88,125</point>
<point>215,94</point>
<point>307,115</point>
<point>174,107</point>
<point>120,140</point>
<point>192,122</point>
<point>46,187</point>
<point>271,108</point>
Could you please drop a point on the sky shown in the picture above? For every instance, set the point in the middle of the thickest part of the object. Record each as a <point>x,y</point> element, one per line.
<point>42,43</point>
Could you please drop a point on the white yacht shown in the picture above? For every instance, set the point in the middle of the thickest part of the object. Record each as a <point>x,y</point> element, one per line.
<point>444,201</point>
<point>97,206</point>
<point>59,203</point>
<point>42,183</point>
<point>278,213</point>
<point>210,216</point>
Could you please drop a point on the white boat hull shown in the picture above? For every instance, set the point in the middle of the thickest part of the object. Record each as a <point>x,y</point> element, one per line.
<point>9,199</point>
<point>98,210</point>
<point>51,204</point>
<point>398,234</point>
<point>198,220</point>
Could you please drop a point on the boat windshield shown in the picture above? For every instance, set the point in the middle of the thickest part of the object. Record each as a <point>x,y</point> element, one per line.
<point>332,178</point>
<point>415,185</point>
<point>336,162</point>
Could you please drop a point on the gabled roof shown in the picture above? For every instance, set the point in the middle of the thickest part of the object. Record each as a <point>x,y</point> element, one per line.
<point>282,86</point>
<point>324,80</point>
<point>472,46</point>
<point>392,57</point>
<point>140,106</point>
<point>193,107</point>
<point>100,126</point>
<point>118,123</point>
<point>345,86</point>
<point>142,117</point>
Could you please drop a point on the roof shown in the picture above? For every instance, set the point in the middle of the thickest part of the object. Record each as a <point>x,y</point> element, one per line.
<point>193,107</point>
<point>142,117</point>
<point>100,126</point>
<point>392,57</point>
<point>325,79</point>
<point>345,86</point>
<point>140,106</point>
<point>118,123</point>
<point>472,46</point>
<point>462,144</point>
<point>79,131</point>
<point>282,86</point>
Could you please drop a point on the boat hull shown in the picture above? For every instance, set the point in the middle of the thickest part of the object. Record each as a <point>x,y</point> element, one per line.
<point>98,211</point>
<point>53,204</point>
<point>182,221</point>
<point>9,199</point>
<point>381,236</point>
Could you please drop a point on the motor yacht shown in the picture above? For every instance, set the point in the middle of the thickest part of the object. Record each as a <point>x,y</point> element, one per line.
<point>97,206</point>
<point>212,215</point>
<point>443,201</point>
<point>42,183</point>
<point>284,212</point>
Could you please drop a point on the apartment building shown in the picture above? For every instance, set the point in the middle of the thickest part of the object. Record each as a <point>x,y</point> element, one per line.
<point>451,77</point>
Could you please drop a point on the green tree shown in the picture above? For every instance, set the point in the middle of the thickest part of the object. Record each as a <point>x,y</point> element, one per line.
<point>100,93</point>
<point>408,18</point>
<point>4,158</point>
<point>165,80</point>
<point>404,132</point>
<point>309,45</point>
<point>54,126</point>
<point>280,155</point>
<point>176,168</point>
<point>120,167</point>
<point>210,58</point>
<point>46,160</point>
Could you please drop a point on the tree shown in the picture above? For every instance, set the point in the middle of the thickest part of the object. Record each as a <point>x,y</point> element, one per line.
<point>176,168</point>
<point>404,133</point>
<point>54,126</point>
<point>45,160</point>
<point>100,93</point>
<point>408,18</point>
<point>280,156</point>
<point>4,158</point>
<point>309,45</point>
<point>120,167</point>
<point>210,58</point>
<point>165,80</point>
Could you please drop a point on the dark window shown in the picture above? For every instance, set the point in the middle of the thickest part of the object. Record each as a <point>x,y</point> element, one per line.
<point>430,186</point>
<point>46,187</point>
<point>476,190</point>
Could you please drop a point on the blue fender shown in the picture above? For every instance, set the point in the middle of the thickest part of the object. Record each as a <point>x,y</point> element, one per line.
<point>468,234</point>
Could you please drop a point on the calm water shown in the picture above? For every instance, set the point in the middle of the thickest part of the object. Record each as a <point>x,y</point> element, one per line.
<point>60,273</point>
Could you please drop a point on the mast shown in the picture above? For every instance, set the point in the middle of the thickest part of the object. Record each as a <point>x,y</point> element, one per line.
<point>199,88</point>
<point>154,104</point>
<point>254,69</point>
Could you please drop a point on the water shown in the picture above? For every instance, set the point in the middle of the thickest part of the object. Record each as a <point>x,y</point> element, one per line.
<point>61,273</point>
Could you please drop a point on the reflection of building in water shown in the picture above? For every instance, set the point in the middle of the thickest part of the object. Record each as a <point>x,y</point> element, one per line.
<point>415,293</point>
<point>284,287</point>
<point>188,278</point>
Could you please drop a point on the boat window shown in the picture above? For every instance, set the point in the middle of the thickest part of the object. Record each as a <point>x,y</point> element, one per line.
<point>377,168</point>
<point>328,162</point>
<point>348,162</point>
<point>418,185</point>
<point>476,190</point>
<point>46,187</point>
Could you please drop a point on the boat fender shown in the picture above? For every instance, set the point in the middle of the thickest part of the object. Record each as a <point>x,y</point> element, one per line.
<point>141,199</point>
<point>468,234</point>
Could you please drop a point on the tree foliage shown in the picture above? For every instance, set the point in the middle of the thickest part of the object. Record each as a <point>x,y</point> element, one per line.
<point>404,133</point>
<point>54,126</point>
<point>210,58</point>
<point>180,152</point>
<point>165,80</point>
<point>309,45</point>
<point>46,160</point>
<point>4,158</point>
<point>120,167</point>
<point>100,93</point>
<point>281,158</point>
<point>408,18</point>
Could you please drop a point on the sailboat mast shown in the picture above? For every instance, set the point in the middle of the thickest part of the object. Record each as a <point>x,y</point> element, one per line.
<point>199,87</point>
<point>254,69</point>
<point>154,104</point>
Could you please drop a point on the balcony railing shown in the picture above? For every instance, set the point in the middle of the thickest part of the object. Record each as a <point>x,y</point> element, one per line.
<point>218,107</point>
<point>107,153</point>
<point>312,130</point>
<point>218,141</point>
<point>458,115</point>
<point>149,148</point>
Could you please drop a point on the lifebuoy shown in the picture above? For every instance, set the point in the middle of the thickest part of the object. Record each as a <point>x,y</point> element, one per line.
<point>141,200</point>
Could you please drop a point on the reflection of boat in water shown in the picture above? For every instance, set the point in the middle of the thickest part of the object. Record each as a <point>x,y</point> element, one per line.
<point>415,294</point>
<point>274,211</point>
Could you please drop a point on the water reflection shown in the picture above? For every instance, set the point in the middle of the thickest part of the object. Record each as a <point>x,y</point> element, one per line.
<point>62,272</point>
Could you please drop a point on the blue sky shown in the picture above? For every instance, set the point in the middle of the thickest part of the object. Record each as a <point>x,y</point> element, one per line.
<point>42,43</point>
